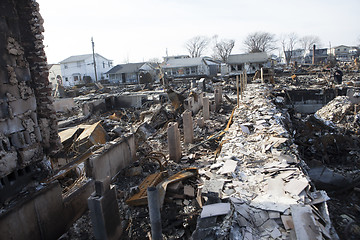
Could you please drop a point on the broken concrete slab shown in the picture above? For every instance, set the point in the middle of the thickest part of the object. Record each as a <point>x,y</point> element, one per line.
<point>215,210</point>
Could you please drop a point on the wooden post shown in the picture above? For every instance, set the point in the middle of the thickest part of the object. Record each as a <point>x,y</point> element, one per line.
<point>241,85</point>
<point>237,90</point>
<point>262,75</point>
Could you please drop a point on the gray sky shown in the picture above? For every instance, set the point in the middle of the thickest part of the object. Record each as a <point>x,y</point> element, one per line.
<point>138,30</point>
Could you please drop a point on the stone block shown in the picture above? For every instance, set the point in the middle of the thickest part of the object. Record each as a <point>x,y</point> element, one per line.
<point>11,126</point>
<point>21,106</point>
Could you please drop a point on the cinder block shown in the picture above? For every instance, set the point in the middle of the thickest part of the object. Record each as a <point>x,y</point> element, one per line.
<point>21,106</point>
<point>11,126</point>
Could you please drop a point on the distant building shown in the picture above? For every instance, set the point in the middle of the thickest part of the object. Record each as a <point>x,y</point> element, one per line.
<point>344,53</point>
<point>185,67</point>
<point>131,73</point>
<point>55,75</point>
<point>79,69</point>
<point>250,62</point>
<point>321,56</point>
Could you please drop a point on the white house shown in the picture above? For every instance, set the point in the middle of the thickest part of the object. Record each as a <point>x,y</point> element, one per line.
<point>183,67</point>
<point>80,69</point>
<point>344,53</point>
<point>251,62</point>
<point>55,75</point>
<point>131,73</point>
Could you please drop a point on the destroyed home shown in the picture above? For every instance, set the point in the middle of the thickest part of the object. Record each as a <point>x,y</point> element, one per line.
<point>132,73</point>
<point>234,157</point>
<point>250,62</point>
<point>81,69</point>
<point>186,67</point>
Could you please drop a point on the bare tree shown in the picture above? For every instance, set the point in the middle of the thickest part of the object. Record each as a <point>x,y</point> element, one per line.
<point>308,41</point>
<point>154,60</point>
<point>197,45</point>
<point>260,42</point>
<point>223,49</point>
<point>288,43</point>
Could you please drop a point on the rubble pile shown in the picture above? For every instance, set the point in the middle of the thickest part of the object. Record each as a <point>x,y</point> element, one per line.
<point>328,141</point>
<point>259,179</point>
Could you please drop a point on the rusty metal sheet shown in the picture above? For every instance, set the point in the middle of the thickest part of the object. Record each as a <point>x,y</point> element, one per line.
<point>184,174</point>
<point>140,198</point>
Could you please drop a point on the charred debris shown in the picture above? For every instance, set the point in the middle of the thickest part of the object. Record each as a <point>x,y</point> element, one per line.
<point>252,168</point>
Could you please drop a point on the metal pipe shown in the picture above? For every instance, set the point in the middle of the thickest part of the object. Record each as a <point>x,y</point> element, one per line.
<point>154,212</point>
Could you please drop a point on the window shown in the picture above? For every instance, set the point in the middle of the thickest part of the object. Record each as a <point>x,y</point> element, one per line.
<point>187,70</point>
<point>193,70</point>
<point>66,66</point>
<point>76,78</point>
<point>110,64</point>
<point>103,64</point>
<point>78,64</point>
<point>66,79</point>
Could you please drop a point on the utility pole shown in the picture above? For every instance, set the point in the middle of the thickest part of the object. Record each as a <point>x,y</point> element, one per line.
<point>92,42</point>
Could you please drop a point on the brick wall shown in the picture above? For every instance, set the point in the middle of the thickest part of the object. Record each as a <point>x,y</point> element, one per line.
<point>28,125</point>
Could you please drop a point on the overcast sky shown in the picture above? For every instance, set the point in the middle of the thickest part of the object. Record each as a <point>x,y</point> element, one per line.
<point>138,30</point>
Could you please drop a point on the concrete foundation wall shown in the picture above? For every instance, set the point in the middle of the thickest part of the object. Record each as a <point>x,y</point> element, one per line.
<point>110,162</point>
<point>309,101</point>
<point>44,215</point>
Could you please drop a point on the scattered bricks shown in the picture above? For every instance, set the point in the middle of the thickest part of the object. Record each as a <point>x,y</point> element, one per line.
<point>8,162</point>
<point>174,145</point>
<point>21,106</point>
<point>188,127</point>
<point>206,113</point>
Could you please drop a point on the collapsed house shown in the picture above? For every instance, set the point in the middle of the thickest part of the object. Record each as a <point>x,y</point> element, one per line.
<point>224,166</point>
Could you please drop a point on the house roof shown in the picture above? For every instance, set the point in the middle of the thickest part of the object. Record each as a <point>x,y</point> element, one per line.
<point>126,68</point>
<point>183,62</point>
<point>78,58</point>
<point>247,58</point>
